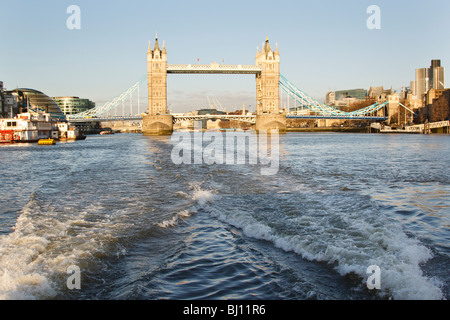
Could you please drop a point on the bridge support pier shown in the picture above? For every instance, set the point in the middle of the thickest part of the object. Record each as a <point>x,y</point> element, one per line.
<point>157,125</point>
<point>271,121</point>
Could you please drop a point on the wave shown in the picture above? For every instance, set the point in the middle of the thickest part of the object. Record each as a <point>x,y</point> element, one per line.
<point>172,222</point>
<point>25,269</point>
<point>48,238</point>
<point>200,198</point>
<point>350,240</point>
<point>168,223</point>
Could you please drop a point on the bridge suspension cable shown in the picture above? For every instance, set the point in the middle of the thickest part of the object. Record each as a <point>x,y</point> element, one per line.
<point>320,108</point>
<point>118,101</point>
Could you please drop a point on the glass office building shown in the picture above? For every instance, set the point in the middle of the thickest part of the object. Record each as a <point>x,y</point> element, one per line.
<point>36,100</point>
<point>429,78</point>
<point>359,94</point>
<point>73,105</point>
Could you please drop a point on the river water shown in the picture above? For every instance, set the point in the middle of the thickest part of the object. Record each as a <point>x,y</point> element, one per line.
<point>139,226</point>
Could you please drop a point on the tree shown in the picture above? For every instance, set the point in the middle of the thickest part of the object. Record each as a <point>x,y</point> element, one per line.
<point>440,108</point>
<point>356,105</point>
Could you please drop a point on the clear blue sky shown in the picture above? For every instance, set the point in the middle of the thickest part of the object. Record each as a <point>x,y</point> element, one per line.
<point>324,45</point>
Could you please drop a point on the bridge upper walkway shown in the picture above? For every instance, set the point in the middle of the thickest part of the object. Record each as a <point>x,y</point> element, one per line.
<point>213,68</point>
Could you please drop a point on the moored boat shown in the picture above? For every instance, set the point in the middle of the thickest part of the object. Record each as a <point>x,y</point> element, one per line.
<point>69,132</point>
<point>27,127</point>
<point>47,141</point>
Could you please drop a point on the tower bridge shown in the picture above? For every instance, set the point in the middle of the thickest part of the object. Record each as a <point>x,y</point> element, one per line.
<point>267,75</point>
<point>158,121</point>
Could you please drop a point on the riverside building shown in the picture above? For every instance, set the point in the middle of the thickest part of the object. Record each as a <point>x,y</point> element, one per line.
<point>73,105</point>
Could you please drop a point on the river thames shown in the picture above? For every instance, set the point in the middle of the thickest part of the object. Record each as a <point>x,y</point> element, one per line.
<point>138,226</point>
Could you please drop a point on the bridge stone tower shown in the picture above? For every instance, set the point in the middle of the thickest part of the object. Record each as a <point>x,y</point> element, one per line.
<point>157,121</point>
<point>267,82</point>
<point>157,79</point>
<point>268,90</point>
<point>393,107</point>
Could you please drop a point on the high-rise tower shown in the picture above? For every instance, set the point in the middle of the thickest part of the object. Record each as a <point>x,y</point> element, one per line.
<point>267,82</point>
<point>157,79</point>
<point>429,78</point>
<point>437,75</point>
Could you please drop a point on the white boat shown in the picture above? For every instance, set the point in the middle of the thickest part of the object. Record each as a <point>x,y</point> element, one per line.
<point>28,127</point>
<point>69,132</point>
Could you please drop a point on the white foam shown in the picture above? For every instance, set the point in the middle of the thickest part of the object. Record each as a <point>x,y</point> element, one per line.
<point>169,223</point>
<point>199,195</point>
<point>21,272</point>
<point>184,214</point>
<point>182,194</point>
<point>35,257</point>
<point>352,251</point>
<point>172,222</point>
<point>202,196</point>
